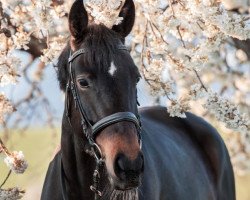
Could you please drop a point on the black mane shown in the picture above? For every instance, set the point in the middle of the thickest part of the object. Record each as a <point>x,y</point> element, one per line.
<point>100,43</point>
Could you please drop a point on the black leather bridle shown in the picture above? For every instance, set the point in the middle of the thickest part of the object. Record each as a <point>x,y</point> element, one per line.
<point>91,130</point>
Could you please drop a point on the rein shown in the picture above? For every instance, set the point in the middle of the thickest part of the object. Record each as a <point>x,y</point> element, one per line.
<point>91,130</point>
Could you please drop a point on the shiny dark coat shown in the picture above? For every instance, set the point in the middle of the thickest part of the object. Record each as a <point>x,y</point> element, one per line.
<point>185,159</point>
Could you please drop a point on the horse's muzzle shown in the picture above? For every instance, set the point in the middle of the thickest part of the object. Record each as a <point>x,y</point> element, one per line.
<point>128,172</point>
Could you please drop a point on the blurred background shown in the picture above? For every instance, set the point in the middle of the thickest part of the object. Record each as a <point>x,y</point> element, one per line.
<point>33,33</point>
<point>39,142</point>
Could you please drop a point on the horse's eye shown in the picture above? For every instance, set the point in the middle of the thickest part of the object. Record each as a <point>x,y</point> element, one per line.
<point>138,79</point>
<point>83,83</point>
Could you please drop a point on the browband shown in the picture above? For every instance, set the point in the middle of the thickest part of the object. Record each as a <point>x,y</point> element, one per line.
<point>82,51</point>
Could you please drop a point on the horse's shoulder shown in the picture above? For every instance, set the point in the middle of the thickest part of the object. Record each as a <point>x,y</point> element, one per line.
<point>216,151</point>
<point>204,132</point>
<point>195,126</point>
<point>207,138</point>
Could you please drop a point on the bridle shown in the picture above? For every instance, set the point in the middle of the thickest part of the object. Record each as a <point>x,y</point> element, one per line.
<point>91,130</point>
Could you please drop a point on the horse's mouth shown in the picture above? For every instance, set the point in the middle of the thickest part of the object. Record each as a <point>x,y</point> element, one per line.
<point>125,186</point>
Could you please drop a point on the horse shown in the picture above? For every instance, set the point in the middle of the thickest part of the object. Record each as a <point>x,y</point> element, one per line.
<point>110,149</point>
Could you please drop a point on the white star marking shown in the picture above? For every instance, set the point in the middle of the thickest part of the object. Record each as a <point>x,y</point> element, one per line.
<point>112,69</point>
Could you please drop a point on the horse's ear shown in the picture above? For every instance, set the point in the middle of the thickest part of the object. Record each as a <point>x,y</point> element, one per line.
<point>128,14</point>
<point>78,19</point>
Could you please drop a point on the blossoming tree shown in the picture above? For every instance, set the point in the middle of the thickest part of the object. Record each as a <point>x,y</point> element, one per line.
<point>193,54</point>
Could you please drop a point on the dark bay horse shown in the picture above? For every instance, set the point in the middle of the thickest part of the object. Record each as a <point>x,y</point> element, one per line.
<point>112,150</point>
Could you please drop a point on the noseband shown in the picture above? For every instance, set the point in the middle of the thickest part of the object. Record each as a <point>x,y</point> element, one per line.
<point>91,130</point>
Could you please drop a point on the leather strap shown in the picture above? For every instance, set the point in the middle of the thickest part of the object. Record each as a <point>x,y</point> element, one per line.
<point>114,118</point>
<point>76,54</point>
<point>83,51</point>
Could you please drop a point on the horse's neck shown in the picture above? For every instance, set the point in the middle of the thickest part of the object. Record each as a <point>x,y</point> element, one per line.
<point>77,165</point>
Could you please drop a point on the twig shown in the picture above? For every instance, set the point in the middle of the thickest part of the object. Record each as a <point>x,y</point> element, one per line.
<point>151,23</point>
<point>3,148</point>
<point>148,80</point>
<point>201,82</point>
<point>182,41</point>
<point>47,41</point>
<point>171,6</point>
<point>200,26</point>
<point>143,49</point>
<point>182,5</point>
<point>196,73</point>
<point>5,180</point>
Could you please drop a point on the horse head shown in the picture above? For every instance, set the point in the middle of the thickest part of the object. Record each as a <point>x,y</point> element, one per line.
<point>105,78</point>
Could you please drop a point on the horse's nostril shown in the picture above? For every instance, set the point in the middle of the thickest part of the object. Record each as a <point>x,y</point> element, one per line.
<point>125,167</point>
<point>121,163</point>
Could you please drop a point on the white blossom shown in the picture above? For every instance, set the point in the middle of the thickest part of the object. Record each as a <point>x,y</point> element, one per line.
<point>16,162</point>
<point>178,108</point>
<point>105,11</point>
<point>228,113</point>
<point>53,51</point>
<point>230,24</point>
<point>8,69</point>
<point>20,40</point>
<point>197,92</point>
<point>5,107</point>
<point>11,194</point>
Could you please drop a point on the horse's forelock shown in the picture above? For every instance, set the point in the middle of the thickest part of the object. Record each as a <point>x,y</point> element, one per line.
<point>100,43</point>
